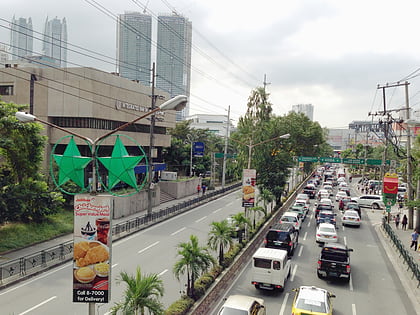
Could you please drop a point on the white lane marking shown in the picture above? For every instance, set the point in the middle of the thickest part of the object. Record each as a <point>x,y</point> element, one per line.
<point>217,210</point>
<point>114,265</point>
<point>305,235</point>
<point>38,305</point>
<point>199,220</point>
<point>283,305</point>
<point>36,279</point>
<point>146,248</point>
<point>300,250</point>
<point>163,272</point>
<point>309,223</point>
<point>351,284</point>
<point>345,240</point>
<point>179,231</point>
<point>293,273</point>
<point>229,204</point>
<point>353,309</point>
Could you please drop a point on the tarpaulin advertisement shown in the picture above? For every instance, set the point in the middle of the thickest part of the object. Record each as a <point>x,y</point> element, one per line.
<point>249,180</point>
<point>92,249</point>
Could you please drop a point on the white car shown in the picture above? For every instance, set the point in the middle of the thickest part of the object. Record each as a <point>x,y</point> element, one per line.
<point>326,201</point>
<point>323,193</point>
<point>371,201</point>
<point>325,232</point>
<point>302,197</point>
<point>340,195</point>
<point>351,217</point>
<point>243,304</point>
<point>293,218</point>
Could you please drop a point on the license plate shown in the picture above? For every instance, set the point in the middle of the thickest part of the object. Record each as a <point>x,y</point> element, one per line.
<point>333,274</point>
<point>264,285</point>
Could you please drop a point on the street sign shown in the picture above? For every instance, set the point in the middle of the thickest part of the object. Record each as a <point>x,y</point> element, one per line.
<point>218,155</point>
<point>228,155</point>
<point>353,161</point>
<point>373,162</point>
<point>198,149</point>
<point>307,159</point>
<point>330,160</point>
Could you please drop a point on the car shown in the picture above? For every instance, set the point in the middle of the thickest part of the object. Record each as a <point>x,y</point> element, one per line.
<point>322,206</point>
<point>334,262</point>
<point>328,188</point>
<point>326,201</point>
<point>371,201</point>
<point>299,210</point>
<point>343,184</point>
<point>282,236</point>
<point>242,304</point>
<point>312,300</point>
<point>303,197</point>
<point>302,204</point>
<point>310,190</point>
<point>293,218</point>
<point>326,232</point>
<point>351,217</point>
<point>351,205</point>
<point>326,216</point>
<point>323,193</point>
<point>340,195</point>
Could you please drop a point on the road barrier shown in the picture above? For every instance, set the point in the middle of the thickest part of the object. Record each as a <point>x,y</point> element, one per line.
<point>408,258</point>
<point>22,268</point>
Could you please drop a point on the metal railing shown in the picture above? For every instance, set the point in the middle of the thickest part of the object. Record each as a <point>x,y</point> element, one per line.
<point>24,267</point>
<point>408,258</point>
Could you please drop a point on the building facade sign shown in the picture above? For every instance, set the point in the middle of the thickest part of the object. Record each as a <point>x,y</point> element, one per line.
<point>120,105</point>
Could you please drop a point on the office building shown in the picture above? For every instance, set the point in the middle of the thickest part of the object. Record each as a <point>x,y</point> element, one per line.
<point>217,124</point>
<point>54,43</point>
<point>134,33</point>
<point>21,38</point>
<point>173,57</point>
<point>307,109</point>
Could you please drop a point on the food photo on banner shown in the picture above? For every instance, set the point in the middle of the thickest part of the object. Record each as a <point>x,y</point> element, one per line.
<point>249,180</point>
<point>92,248</point>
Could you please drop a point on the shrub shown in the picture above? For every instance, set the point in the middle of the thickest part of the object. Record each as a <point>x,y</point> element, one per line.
<point>199,290</point>
<point>180,307</point>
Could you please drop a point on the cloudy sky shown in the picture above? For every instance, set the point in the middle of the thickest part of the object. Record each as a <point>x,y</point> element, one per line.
<point>329,53</point>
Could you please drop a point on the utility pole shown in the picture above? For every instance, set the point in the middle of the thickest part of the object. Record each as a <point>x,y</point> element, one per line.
<point>225,151</point>
<point>151,144</point>
<point>265,83</point>
<point>410,190</point>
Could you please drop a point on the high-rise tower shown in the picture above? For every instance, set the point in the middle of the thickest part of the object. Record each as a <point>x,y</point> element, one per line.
<point>134,33</point>
<point>55,40</point>
<point>21,38</point>
<point>173,57</point>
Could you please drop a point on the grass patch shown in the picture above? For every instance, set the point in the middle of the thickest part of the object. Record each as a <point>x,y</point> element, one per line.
<point>18,235</point>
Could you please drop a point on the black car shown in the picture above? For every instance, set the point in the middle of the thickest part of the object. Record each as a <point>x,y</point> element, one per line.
<point>320,207</point>
<point>282,236</point>
<point>326,216</point>
<point>334,261</point>
<point>310,190</point>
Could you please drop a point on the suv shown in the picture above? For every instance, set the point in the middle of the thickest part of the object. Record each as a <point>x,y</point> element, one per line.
<point>334,261</point>
<point>282,236</point>
<point>371,201</point>
<point>310,190</point>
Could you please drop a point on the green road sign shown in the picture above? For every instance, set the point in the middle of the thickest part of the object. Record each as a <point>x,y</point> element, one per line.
<point>388,208</point>
<point>354,161</point>
<point>373,162</point>
<point>307,159</point>
<point>228,155</point>
<point>218,155</point>
<point>329,160</point>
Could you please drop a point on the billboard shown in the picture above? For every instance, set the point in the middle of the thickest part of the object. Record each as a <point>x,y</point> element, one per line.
<point>249,180</point>
<point>92,248</point>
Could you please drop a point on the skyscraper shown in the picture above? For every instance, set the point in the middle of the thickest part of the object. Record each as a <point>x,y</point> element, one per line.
<point>173,57</point>
<point>54,43</point>
<point>134,33</point>
<point>21,38</point>
<point>307,109</point>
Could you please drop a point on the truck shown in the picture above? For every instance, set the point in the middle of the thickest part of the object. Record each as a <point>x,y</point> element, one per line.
<point>270,268</point>
<point>334,262</point>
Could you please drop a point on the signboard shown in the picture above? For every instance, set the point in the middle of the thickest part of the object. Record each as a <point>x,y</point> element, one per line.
<point>390,189</point>
<point>249,180</point>
<point>330,160</point>
<point>354,161</point>
<point>228,155</point>
<point>91,271</point>
<point>307,159</point>
<point>198,149</point>
<point>373,162</point>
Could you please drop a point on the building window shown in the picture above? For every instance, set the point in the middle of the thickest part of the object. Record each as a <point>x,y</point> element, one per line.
<point>6,89</point>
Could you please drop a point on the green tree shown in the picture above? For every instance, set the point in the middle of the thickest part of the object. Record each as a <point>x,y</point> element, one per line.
<point>220,237</point>
<point>266,197</point>
<point>255,211</point>
<point>142,292</point>
<point>240,221</point>
<point>194,261</point>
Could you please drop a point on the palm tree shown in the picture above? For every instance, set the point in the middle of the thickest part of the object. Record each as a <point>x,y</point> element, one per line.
<point>240,221</point>
<point>194,261</point>
<point>220,237</point>
<point>255,210</point>
<point>142,292</point>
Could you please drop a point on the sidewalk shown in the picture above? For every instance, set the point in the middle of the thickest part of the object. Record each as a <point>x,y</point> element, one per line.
<point>69,237</point>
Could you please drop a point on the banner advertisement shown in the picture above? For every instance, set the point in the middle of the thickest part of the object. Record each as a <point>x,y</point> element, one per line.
<point>92,248</point>
<point>249,180</point>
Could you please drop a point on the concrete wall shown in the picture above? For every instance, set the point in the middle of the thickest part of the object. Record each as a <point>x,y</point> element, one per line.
<point>126,206</point>
<point>180,189</point>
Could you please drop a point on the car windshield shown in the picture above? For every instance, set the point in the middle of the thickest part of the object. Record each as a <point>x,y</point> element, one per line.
<point>232,311</point>
<point>289,219</point>
<point>327,229</point>
<point>311,305</point>
<point>277,236</point>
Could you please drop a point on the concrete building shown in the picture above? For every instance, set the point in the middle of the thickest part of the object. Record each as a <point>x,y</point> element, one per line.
<point>134,38</point>
<point>88,102</point>
<point>215,123</point>
<point>173,57</point>
<point>21,38</point>
<point>4,56</point>
<point>54,43</point>
<point>307,109</point>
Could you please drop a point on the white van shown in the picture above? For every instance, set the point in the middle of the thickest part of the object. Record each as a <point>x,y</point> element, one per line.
<point>270,268</point>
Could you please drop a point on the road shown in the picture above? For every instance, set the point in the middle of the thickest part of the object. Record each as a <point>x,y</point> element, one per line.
<point>153,249</point>
<point>374,287</point>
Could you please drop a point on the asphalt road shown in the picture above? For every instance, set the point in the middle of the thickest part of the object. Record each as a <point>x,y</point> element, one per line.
<point>153,249</point>
<point>374,287</point>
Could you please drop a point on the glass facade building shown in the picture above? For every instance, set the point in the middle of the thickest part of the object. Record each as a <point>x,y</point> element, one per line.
<point>21,38</point>
<point>54,43</point>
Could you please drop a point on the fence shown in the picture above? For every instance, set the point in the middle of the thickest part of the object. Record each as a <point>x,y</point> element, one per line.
<point>408,259</point>
<point>22,268</point>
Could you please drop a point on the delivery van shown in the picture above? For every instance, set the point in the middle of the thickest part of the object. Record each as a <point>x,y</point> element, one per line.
<point>270,268</point>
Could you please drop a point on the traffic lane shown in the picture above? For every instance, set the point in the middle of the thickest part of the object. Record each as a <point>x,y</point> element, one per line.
<point>58,283</point>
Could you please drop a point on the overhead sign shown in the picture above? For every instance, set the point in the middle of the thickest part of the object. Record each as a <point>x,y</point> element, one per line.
<point>198,149</point>
<point>354,161</point>
<point>228,155</point>
<point>91,271</point>
<point>307,159</point>
<point>329,160</point>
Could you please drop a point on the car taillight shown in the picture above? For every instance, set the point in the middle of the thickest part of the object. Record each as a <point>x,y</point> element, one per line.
<point>265,241</point>
<point>318,234</point>
<point>357,219</point>
<point>348,268</point>
<point>335,236</point>
<point>319,264</point>
<point>290,244</point>
<point>344,218</point>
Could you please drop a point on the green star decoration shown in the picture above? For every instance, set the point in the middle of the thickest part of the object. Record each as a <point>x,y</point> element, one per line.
<point>120,165</point>
<point>71,165</point>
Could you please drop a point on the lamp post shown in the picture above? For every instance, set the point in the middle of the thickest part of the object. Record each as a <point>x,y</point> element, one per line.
<point>175,103</point>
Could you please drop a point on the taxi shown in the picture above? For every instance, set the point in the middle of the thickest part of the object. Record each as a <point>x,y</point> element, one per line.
<point>310,300</point>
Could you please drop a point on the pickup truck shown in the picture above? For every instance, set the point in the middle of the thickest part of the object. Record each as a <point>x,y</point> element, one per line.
<point>334,262</point>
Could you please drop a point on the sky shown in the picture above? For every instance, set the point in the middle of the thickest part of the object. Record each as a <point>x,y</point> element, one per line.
<point>332,54</point>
